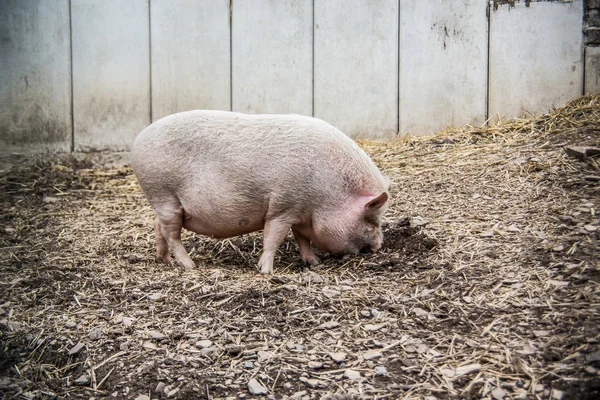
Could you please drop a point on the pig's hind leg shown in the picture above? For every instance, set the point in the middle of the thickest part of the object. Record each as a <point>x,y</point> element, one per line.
<point>170,222</point>
<point>162,248</point>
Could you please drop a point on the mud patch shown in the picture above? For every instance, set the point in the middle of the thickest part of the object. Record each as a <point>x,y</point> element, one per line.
<point>399,235</point>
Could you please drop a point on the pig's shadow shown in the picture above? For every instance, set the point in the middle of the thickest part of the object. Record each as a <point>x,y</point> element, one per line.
<point>402,244</point>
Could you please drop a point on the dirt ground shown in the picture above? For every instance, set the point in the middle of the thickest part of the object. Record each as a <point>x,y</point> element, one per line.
<point>486,287</point>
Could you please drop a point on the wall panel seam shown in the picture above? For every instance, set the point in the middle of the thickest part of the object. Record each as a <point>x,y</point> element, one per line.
<point>313,62</point>
<point>72,102</point>
<point>398,73</point>
<point>488,62</point>
<point>230,55</point>
<point>150,110</point>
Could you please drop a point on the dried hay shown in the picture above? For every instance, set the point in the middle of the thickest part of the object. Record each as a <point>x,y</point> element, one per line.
<point>487,286</point>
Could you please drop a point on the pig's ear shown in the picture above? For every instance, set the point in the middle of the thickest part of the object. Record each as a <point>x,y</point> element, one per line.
<point>376,203</point>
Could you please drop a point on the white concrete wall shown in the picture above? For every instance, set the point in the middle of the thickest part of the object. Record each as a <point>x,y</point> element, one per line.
<point>592,70</point>
<point>190,56</point>
<point>356,66</point>
<point>535,57</point>
<point>443,64</point>
<point>35,76</point>
<point>272,56</point>
<point>111,72</point>
<point>373,68</point>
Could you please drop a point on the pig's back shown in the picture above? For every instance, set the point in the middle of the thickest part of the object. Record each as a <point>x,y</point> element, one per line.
<point>229,134</point>
<point>259,153</point>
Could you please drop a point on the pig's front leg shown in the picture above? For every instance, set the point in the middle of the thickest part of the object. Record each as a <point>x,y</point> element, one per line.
<point>307,253</point>
<point>274,233</point>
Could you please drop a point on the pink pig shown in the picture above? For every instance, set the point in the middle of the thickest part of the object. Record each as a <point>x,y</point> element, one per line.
<point>223,174</point>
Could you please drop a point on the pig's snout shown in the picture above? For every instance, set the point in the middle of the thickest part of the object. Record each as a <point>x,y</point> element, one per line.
<point>368,248</point>
<point>371,244</point>
<point>376,244</point>
<point>373,248</point>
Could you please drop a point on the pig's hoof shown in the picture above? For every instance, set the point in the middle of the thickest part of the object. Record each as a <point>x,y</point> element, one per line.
<point>312,260</point>
<point>187,264</point>
<point>266,269</point>
<point>165,259</point>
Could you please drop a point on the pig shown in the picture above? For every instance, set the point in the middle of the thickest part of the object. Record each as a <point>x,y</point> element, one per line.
<point>223,174</point>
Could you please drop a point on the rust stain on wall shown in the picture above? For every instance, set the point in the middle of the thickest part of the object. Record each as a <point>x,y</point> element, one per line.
<point>512,3</point>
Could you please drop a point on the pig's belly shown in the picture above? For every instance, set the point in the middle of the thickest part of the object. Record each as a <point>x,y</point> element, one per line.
<point>221,228</point>
<point>221,207</point>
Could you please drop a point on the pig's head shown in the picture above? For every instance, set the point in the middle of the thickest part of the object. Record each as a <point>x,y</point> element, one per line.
<point>353,227</point>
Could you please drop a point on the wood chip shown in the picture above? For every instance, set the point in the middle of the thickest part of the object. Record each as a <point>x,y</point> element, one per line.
<point>351,374</point>
<point>157,335</point>
<point>372,354</point>
<point>312,383</point>
<point>499,393</point>
<point>76,349</point>
<point>582,151</point>
<point>329,325</point>
<point>338,356</point>
<point>256,388</point>
<point>149,345</point>
<point>315,365</point>
<point>558,283</point>
<point>204,343</point>
<point>461,371</point>
<point>590,228</point>
<point>374,327</point>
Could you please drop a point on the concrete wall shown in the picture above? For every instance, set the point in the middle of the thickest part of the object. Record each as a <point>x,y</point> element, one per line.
<point>35,75</point>
<point>190,56</point>
<point>356,66</point>
<point>443,64</point>
<point>535,57</point>
<point>272,56</point>
<point>111,72</point>
<point>90,74</point>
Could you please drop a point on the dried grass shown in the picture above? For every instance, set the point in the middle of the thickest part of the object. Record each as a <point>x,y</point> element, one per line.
<point>496,296</point>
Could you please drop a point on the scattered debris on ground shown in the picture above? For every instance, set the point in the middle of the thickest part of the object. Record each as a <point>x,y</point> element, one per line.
<point>486,286</point>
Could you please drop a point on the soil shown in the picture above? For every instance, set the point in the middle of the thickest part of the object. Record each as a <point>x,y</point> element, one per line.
<point>486,285</point>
